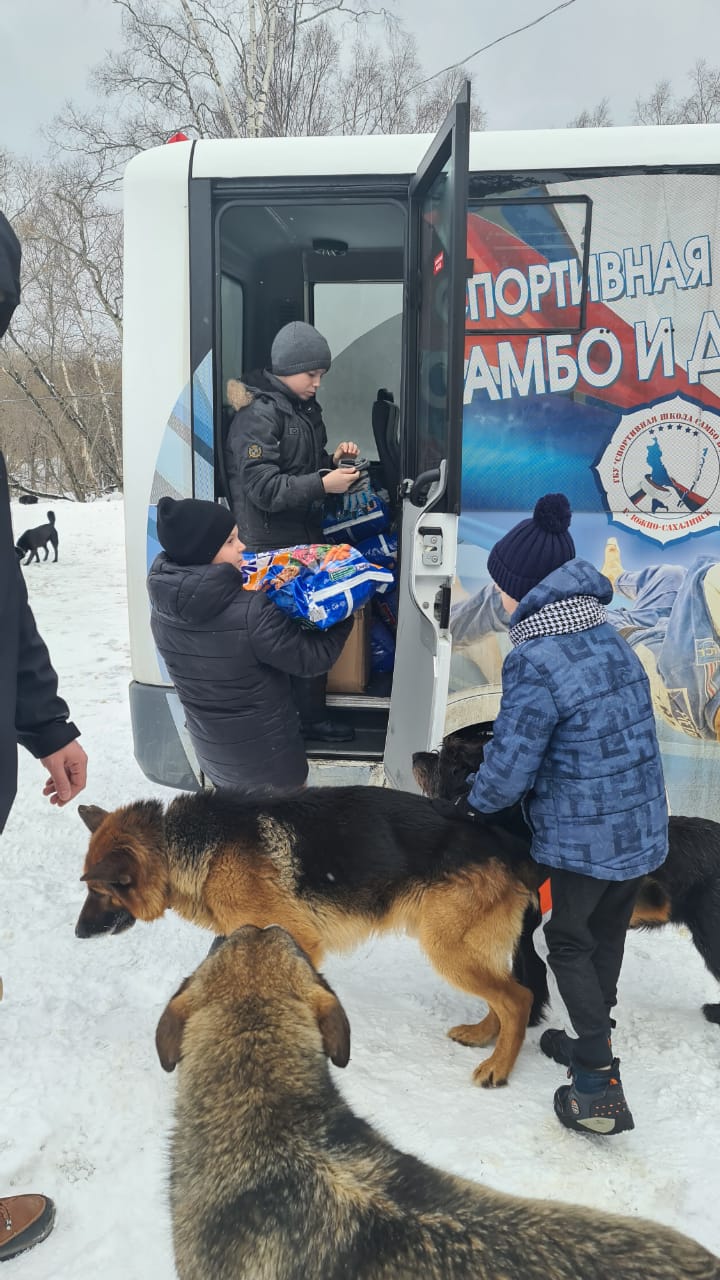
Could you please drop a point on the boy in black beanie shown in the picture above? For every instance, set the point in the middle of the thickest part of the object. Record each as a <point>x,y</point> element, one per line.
<point>575,740</point>
<point>230,652</point>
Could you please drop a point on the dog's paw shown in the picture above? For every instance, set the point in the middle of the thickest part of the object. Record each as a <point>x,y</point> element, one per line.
<point>712,1012</point>
<point>488,1076</point>
<point>476,1034</point>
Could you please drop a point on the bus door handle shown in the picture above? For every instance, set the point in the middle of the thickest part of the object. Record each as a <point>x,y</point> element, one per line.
<point>419,487</point>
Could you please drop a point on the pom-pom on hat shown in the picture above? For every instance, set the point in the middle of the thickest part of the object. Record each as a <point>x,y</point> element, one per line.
<point>192,531</point>
<point>533,548</point>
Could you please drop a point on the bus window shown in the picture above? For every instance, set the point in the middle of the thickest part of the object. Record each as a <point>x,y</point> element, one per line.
<point>432,387</point>
<point>530,260</point>
<point>365,320</point>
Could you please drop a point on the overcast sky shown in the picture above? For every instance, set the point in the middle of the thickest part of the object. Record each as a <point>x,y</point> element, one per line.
<point>539,78</point>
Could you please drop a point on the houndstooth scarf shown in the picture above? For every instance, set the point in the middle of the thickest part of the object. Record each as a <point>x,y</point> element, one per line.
<point>576,613</point>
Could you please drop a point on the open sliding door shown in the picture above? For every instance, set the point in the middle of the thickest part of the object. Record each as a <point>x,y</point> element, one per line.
<point>435,285</point>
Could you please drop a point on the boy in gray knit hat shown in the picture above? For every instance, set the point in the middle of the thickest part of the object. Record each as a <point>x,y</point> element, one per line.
<point>279,472</point>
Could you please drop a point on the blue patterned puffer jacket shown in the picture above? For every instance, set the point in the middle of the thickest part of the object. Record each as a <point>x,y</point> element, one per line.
<point>575,736</point>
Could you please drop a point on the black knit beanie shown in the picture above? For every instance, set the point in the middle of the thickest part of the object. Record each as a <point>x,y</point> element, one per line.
<point>191,531</point>
<point>533,548</point>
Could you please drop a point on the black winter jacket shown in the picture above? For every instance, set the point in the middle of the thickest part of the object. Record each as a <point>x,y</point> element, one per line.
<point>31,713</point>
<point>230,654</point>
<point>275,454</point>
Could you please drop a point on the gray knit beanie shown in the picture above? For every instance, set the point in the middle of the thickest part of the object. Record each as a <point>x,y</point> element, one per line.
<point>299,348</point>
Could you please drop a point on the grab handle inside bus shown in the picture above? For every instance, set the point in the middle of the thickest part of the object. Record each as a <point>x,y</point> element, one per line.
<point>420,486</point>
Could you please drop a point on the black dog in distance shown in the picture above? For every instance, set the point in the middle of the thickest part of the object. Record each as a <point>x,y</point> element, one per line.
<point>30,542</point>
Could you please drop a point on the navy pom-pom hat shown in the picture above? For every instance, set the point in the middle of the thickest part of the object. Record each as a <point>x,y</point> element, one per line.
<point>533,548</point>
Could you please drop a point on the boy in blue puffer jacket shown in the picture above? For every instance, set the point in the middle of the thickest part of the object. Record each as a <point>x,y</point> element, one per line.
<point>575,736</point>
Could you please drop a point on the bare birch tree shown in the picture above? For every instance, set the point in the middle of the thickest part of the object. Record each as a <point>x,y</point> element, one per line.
<point>218,68</point>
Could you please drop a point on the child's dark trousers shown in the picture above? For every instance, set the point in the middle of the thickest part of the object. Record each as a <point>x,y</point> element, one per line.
<point>586,941</point>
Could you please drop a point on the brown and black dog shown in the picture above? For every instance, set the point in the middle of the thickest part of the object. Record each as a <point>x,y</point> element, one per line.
<point>272,1175</point>
<point>684,890</point>
<point>333,866</point>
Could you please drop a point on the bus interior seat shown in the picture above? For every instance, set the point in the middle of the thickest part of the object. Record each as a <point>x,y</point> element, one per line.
<point>385,422</point>
<point>222,489</point>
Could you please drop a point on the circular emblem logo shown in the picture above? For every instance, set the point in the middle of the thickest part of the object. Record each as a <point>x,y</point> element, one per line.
<point>661,470</point>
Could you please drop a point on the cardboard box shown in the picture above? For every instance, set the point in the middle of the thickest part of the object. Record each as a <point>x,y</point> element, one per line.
<point>352,669</point>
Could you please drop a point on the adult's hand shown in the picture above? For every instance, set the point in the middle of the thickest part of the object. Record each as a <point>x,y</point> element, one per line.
<point>348,448</point>
<point>68,773</point>
<point>339,481</point>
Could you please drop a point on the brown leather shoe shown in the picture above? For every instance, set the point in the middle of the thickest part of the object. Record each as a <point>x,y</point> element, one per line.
<point>24,1222</point>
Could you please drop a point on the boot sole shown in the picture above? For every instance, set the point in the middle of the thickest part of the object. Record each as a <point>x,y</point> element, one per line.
<point>606,1125</point>
<point>31,1236</point>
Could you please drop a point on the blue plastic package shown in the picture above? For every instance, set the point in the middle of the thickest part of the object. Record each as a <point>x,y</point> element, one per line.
<point>320,584</point>
<point>382,647</point>
<point>380,549</point>
<point>355,517</point>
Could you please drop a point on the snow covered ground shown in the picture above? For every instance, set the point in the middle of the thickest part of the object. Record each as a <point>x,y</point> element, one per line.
<point>86,1108</point>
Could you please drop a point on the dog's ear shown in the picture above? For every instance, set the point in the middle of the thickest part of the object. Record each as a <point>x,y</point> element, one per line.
<point>116,868</point>
<point>333,1023</point>
<point>170,1028</point>
<point>425,772</point>
<point>92,815</point>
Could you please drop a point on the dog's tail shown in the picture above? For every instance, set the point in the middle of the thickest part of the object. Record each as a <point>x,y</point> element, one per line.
<point>51,517</point>
<point>529,968</point>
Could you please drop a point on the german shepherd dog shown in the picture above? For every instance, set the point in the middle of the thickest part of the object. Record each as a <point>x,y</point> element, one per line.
<point>684,890</point>
<point>273,1177</point>
<point>43,535</point>
<point>333,866</point>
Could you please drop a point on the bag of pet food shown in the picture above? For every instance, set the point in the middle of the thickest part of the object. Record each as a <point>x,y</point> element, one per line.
<point>385,607</point>
<point>285,564</point>
<point>380,549</point>
<point>320,584</point>
<point>355,516</point>
<point>382,647</point>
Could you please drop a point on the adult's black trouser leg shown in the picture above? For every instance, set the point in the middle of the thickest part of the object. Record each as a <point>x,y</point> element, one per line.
<point>586,942</point>
<point>309,697</point>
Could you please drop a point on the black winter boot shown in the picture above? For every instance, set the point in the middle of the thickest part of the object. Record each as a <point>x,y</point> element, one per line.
<point>594,1101</point>
<point>328,731</point>
<point>558,1045</point>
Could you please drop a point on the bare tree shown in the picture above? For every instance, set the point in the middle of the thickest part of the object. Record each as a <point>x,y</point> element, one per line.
<point>61,358</point>
<point>701,106</point>
<point>433,104</point>
<point>216,69</point>
<point>659,107</point>
<point>597,117</point>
